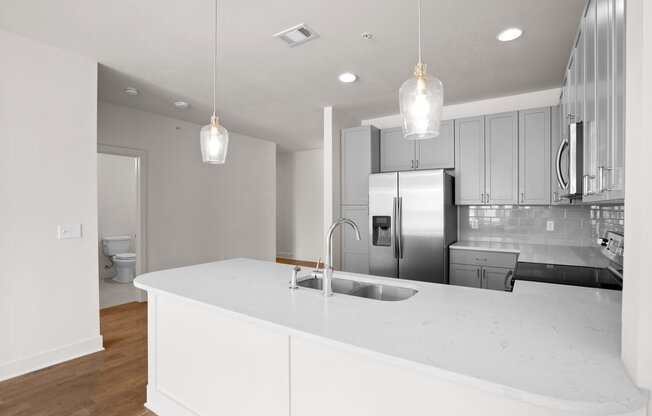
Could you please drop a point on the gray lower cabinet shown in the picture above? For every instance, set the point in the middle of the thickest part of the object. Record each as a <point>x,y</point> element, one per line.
<point>360,148</point>
<point>399,154</point>
<point>465,275</point>
<point>482,269</point>
<point>534,156</point>
<point>486,159</point>
<point>496,278</point>
<point>355,254</point>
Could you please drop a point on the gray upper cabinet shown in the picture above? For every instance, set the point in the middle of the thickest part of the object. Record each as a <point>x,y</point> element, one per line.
<point>534,156</point>
<point>501,163</point>
<point>355,254</point>
<point>396,152</point>
<point>469,161</point>
<point>603,44</point>
<point>399,154</point>
<point>438,153</point>
<point>360,148</point>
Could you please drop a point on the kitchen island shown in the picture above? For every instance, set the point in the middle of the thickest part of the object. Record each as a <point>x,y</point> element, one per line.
<point>231,338</point>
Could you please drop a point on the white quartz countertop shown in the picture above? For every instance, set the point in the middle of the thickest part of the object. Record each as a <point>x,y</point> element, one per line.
<point>542,253</point>
<point>550,345</point>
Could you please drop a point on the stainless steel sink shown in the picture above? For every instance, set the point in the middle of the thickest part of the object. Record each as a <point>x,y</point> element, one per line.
<point>367,290</point>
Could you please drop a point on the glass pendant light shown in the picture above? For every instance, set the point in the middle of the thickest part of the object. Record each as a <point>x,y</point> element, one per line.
<point>421,99</point>
<point>214,138</point>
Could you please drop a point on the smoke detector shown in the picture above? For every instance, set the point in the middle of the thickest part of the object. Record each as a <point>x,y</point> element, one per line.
<point>181,105</point>
<point>296,35</point>
<point>130,91</point>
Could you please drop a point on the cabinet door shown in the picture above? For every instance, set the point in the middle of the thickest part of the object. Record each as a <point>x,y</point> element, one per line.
<point>603,94</point>
<point>469,161</point>
<point>614,173</point>
<point>396,152</point>
<point>501,158</point>
<point>359,158</point>
<point>578,77</point>
<point>463,275</point>
<point>496,278</point>
<point>590,161</point>
<point>534,156</point>
<point>355,254</point>
<point>438,153</point>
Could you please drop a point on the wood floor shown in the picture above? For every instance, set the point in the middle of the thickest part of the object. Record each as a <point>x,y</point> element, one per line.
<point>111,382</point>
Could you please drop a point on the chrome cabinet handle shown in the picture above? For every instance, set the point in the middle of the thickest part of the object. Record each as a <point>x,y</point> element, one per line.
<point>477,272</point>
<point>487,197</point>
<point>560,151</point>
<point>585,184</point>
<point>601,181</point>
<point>412,164</point>
<point>482,198</point>
<point>554,196</point>
<point>522,198</point>
<point>478,259</point>
<point>509,273</point>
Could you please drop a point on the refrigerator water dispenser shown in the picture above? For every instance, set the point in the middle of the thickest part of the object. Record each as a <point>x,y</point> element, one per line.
<point>382,231</point>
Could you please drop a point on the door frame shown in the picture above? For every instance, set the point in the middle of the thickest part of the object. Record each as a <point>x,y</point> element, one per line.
<point>141,201</point>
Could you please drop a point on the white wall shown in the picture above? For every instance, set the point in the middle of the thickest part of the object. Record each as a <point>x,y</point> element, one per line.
<point>198,212</point>
<point>48,176</point>
<point>637,291</point>
<point>117,206</point>
<point>299,202</point>
<point>477,108</point>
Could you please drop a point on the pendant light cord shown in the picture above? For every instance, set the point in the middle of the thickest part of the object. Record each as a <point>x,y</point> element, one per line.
<point>215,65</point>
<point>419,3</point>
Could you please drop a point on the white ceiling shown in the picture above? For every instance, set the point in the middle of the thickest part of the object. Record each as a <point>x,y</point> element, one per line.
<point>271,91</point>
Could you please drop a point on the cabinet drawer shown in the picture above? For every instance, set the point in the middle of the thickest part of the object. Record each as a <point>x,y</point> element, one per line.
<point>483,258</point>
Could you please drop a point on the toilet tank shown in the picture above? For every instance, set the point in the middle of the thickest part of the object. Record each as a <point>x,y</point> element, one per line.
<point>116,244</point>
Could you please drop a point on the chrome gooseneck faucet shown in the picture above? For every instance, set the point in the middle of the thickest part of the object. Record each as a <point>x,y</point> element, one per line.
<point>328,268</point>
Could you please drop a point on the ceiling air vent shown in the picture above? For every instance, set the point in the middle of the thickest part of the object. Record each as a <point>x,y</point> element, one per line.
<point>296,35</point>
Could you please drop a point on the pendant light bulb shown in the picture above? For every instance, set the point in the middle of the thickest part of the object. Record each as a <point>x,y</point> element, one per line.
<point>421,100</point>
<point>214,142</point>
<point>214,139</point>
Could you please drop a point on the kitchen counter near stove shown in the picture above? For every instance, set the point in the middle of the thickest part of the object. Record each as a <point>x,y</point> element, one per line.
<point>541,253</point>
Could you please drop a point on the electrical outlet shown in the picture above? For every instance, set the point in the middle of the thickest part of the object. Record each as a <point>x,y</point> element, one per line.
<point>550,226</point>
<point>474,223</point>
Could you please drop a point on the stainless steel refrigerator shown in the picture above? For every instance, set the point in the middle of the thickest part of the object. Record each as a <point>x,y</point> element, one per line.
<point>413,220</point>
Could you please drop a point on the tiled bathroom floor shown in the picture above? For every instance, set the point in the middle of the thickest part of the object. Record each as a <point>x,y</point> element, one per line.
<point>113,293</point>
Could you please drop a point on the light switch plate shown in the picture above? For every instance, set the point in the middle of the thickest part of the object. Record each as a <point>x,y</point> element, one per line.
<point>550,226</point>
<point>69,231</point>
<point>474,223</point>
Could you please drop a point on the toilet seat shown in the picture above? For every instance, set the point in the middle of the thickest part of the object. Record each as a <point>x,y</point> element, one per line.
<point>125,256</point>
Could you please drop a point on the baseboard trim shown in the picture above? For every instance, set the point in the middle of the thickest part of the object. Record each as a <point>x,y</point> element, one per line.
<point>49,358</point>
<point>164,405</point>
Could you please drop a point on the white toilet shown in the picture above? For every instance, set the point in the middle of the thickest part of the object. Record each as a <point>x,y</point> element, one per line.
<point>117,247</point>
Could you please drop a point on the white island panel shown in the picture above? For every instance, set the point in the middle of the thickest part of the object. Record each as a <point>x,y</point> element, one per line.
<point>206,363</point>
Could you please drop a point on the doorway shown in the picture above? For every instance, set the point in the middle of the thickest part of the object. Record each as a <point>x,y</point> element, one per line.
<point>121,217</point>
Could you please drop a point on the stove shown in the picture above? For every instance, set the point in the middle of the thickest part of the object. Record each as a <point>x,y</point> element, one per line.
<point>610,277</point>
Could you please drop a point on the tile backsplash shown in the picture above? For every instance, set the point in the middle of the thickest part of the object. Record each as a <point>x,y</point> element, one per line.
<point>573,225</point>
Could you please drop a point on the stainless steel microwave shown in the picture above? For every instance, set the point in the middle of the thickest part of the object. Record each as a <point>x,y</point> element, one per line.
<point>569,162</point>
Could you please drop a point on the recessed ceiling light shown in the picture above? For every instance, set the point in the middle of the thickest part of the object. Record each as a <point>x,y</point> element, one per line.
<point>509,34</point>
<point>181,105</point>
<point>130,91</point>
<point>347,77</point>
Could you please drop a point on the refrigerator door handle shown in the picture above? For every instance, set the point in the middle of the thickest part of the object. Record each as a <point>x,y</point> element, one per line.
<point>399,225</point>
<point>395,227</point>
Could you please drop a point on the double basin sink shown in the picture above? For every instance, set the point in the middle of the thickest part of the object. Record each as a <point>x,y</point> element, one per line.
<point>376,291</point>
